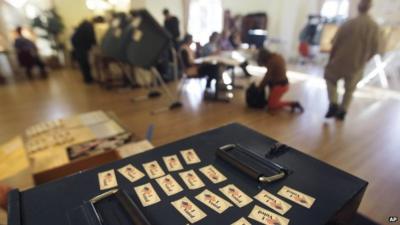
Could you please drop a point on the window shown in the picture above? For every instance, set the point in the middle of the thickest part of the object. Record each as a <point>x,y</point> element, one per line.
<point>205,17</point>
<point>17,3</point>
<point>335,8</point>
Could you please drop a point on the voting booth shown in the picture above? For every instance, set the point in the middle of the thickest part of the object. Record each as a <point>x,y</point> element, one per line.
<point>136,39</point>
<point>112,42</point>
<point>147,40</point>
<point>187,182</point>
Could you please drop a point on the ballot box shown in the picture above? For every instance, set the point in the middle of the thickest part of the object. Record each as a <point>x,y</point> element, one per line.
<point>319,193</point>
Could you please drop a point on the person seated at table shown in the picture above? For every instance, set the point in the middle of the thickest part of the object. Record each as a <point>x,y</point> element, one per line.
<point>225,44</point>
<point>224,41</point>
<point>235,39</point>
<point>211,47</point>
<point>276,80</point>
<point>27,54</point>
<point>4,190</point>
<point>191,68</point>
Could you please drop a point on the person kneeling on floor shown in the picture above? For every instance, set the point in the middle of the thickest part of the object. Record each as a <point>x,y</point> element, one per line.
<point>276,80</point>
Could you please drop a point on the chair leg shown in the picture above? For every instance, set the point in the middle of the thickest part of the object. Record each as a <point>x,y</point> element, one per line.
<point>181,86</point>
<point>199,81</point>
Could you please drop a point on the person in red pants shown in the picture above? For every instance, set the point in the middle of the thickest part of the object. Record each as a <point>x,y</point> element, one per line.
<point>276,80</point>
<point>3,196</point>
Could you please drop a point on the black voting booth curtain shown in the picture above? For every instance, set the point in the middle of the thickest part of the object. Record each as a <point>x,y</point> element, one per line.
<point>136,39</point>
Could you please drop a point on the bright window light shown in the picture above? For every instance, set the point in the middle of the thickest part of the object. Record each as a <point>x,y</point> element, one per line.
<point>334,8</point>
<point>344,9</point>
<point>97,5</point>
<point>258,32</point>
<point>31,11</point>
<point>205,17</point>
<point>16,3</point>
<point>120,4</point>
<point>193,47</point>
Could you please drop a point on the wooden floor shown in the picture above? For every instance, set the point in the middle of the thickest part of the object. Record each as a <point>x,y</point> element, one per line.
<point>367,144</point>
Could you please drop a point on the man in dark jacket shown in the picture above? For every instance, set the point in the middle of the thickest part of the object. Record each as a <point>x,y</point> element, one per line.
<point>83,40</point>
<point>171,24</point>
<point>28,55</point>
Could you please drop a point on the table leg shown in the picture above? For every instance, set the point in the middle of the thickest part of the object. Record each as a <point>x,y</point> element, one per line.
<point>348,212</point>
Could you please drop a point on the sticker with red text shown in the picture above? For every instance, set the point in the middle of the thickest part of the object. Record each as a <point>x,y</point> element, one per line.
<point>236,195</point>
<point>191,180</point>
<point>190,156</point>
<point>273,202</point>
<point>297,197</point>
<point>131,173</point>
<point>169,185</point>
<point>147,195</point>
<point>213,201</point>
<point>213,174</point>
<point>189,210</point>
<point>267,217</point>
<point>107,180</point>
<point>153,169</point>
<point>172,163</point>
<point>241,221</point>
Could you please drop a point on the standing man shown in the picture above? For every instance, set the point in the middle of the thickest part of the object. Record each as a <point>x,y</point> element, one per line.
<point>83,40</point>
<point>171,24</point>
<point>356,42</point>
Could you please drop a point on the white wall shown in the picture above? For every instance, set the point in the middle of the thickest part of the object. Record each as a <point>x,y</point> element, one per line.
<point>271,7</point>
<point>387,11</point>
<point>292,18</point>
<point>72,13</point>
<point>138,4</point>
<point>286,18</point>
<point>155,7</point>
<point>10,19</point>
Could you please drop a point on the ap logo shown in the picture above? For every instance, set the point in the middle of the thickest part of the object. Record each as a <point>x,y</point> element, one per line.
<point>393,219</point>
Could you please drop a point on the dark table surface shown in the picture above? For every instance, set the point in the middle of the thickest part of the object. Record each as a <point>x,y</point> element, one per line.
<point>48,204</point>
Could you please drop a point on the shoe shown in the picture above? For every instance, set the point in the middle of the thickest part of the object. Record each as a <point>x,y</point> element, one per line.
<point>296,105</point>
<point>88,82</point>
<point>244,68</point>
<point>340,114</point>
<point>332,111</point>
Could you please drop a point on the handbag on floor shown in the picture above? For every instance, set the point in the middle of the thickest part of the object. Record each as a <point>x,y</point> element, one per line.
<point>255,98</point>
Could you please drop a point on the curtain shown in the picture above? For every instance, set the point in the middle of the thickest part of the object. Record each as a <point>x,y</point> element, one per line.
<point>186,4</point>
